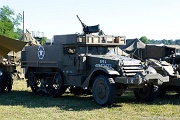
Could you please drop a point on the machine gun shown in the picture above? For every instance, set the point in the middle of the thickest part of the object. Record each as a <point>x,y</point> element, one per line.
<point>89,29</point>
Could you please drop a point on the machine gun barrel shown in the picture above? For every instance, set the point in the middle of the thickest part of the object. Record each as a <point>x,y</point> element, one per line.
<point>89,29</point>
<point>84,26</point>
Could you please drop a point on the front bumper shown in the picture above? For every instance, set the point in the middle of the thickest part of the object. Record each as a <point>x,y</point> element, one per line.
<point>156,79</point>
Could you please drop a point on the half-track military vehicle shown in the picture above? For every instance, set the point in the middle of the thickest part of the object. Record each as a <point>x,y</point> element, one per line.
<point>88,61</point>
<point>165,59</point>
<point>165,68</point>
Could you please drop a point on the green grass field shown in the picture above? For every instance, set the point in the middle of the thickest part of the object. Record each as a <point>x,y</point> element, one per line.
<point>22,104</point>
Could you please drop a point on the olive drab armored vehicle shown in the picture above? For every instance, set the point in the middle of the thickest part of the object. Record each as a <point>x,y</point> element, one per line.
<point>91,62</point>
<point>165,68</point>
<point>165,59</point>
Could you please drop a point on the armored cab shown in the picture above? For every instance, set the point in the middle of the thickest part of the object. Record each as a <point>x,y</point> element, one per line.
<point>90,62</point>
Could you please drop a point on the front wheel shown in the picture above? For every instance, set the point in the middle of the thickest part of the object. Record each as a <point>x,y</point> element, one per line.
<point>147,93</point>
<point>104,90</point>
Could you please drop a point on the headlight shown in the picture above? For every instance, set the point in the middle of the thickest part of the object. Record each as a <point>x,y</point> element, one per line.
<point>1,73</point>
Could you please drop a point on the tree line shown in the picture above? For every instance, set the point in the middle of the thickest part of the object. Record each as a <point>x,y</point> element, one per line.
<point>145,40</point>
<point>166,42</point>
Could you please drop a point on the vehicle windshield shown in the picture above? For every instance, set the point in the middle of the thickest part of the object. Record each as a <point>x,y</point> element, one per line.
<point>97,50</point>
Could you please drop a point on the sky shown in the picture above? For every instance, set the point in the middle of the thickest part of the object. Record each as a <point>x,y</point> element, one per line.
<point>155,19</point>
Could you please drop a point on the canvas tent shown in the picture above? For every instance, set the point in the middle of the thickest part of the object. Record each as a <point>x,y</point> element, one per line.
<point>135,47</point>
<point>133,44</point>
<point>9,44</point>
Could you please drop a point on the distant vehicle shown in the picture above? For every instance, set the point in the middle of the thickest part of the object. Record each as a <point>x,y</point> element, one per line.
<point>165,68</point>
<point>90,62</point>
<point>6,81</point>
<point>7,62</point>
<point>165,59</point>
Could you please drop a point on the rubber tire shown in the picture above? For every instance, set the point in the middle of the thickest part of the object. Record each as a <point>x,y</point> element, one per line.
<point>150,94</point>
<point>103,83</point>
<point>162,91</point>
